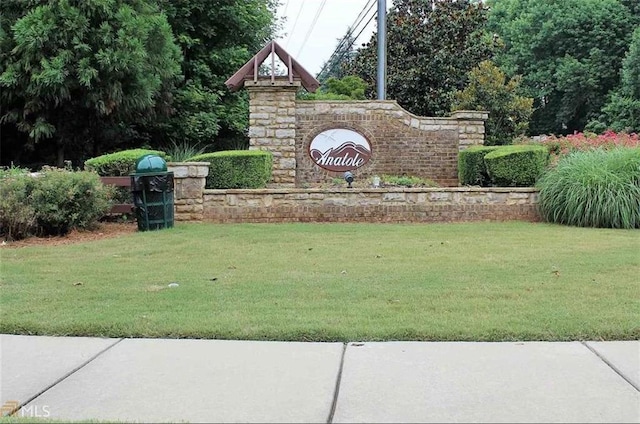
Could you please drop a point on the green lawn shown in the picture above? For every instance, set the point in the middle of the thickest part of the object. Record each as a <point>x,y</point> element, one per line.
<point>347,282</point>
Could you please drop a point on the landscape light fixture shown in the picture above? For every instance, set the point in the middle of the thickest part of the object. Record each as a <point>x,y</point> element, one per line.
<point>348,177</point>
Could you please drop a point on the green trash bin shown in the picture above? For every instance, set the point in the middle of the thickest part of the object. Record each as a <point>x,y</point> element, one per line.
<point>152,192</point>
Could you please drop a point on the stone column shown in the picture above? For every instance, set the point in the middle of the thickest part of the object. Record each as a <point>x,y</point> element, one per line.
<point>189,179</point>
<point>272,125</point>
<point>470,127</point>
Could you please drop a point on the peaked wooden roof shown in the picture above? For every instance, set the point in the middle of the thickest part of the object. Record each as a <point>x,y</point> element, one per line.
<point>294,70</point>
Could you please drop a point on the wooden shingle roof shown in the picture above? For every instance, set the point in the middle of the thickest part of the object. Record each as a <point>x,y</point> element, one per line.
<point>294,70</point>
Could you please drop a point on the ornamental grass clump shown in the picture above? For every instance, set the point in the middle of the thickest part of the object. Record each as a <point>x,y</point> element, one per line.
<point>596,188</point>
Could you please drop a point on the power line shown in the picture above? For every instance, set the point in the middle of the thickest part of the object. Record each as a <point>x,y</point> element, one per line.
<point>340,48</point>
<point>295,23</point>
<point>353,27</point>
<point>313,24</point>
<point>346,39</point>
<point>286,6</point>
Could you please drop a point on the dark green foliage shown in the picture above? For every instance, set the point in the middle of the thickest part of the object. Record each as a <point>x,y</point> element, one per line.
<point>568,52</point>
<point>119,163</point>
<point>622,111</point>
<point>76,72</point>
<point>517,165</point>
<point>489,90</point>
<point>595,188</point>
<point>51,203</point>
<point>471,168</point>
<point>350,87</point>
<point>237,168</point>
<point>216,38</point>
<point>431,46</point>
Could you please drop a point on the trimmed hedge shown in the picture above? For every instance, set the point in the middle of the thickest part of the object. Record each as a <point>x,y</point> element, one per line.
<point>517,165</point>
<point>119,163</point>
<point>237,168</point>
<point>471,168</point>
<point>594,188</point>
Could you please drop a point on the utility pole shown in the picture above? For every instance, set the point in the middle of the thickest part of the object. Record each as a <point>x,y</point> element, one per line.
<point>382,49</point>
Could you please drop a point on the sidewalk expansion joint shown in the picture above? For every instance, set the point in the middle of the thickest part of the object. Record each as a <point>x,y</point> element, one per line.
<point>336,392</point>
<point>67,375</point>
<point>613,367</point>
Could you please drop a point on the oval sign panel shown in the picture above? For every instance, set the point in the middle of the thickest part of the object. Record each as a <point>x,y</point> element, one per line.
<point>340,149</point>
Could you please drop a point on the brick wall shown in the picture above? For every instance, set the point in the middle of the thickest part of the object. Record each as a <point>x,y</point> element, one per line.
<point>371,205</point>
<point>402,143</point>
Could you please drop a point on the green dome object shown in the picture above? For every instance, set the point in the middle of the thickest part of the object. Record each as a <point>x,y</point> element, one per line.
<point>150,164</point>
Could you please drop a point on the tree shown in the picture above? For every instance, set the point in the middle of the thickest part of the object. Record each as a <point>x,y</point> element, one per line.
<point>489,90</point>
<point>217,38</point>
<point>71,71</point>
<point>350,87</point>
<point>340,58</point>
<point>431,45</point>
<point>622,111</point>
<point>568,52</point>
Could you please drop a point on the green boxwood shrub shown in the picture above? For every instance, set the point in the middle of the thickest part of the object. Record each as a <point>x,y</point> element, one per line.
<point>595,188</point>
<point>237,168</point>
<point>53,202</point>
<point>119,163</point>
<point>517,165</point>
<point>471,168</point>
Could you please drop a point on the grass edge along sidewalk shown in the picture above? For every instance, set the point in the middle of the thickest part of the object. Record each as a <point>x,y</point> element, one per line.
<point>332,282</point>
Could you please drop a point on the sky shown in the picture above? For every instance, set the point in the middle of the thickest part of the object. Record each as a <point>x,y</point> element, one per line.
<point>333,21</point>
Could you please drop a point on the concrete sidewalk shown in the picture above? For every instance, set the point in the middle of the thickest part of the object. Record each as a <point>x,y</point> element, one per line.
<point>158,380</point>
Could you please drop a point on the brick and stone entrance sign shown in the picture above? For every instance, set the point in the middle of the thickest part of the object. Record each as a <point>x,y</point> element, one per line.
<point>386,139</point>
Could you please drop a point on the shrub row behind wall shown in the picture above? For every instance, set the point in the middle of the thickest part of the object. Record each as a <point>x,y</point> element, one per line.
<point>237,168</point>
<point>502,166</point>
<point>120,163</point>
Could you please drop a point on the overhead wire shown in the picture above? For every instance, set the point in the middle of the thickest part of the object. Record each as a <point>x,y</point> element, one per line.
<point>295,23</point>
<point>313,24</point>
<point>353,27</point>
<point>340,48</point>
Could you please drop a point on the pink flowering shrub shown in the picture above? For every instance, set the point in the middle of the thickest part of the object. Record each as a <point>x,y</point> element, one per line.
<point>560,146</point>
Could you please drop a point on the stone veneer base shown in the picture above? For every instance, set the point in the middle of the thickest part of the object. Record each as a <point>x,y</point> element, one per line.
<point>398,205</point>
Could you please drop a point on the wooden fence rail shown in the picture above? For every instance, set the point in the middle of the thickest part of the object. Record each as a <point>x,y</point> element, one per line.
<point>119,182</point>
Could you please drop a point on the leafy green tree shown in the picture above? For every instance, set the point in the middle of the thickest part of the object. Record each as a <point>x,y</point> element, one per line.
<point>489,90</point>
<point>431,45</point>
<point>71,71</point>
<point>568,52</point>
<point>622,111</point>
<point>350,87</point>
<point>217,37</point>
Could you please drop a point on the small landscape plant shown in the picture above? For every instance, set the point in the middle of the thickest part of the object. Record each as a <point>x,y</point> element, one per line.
<point>406,181</point>
<point>596,188</point>
<point>51,202</point>
<point>182,152</point>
